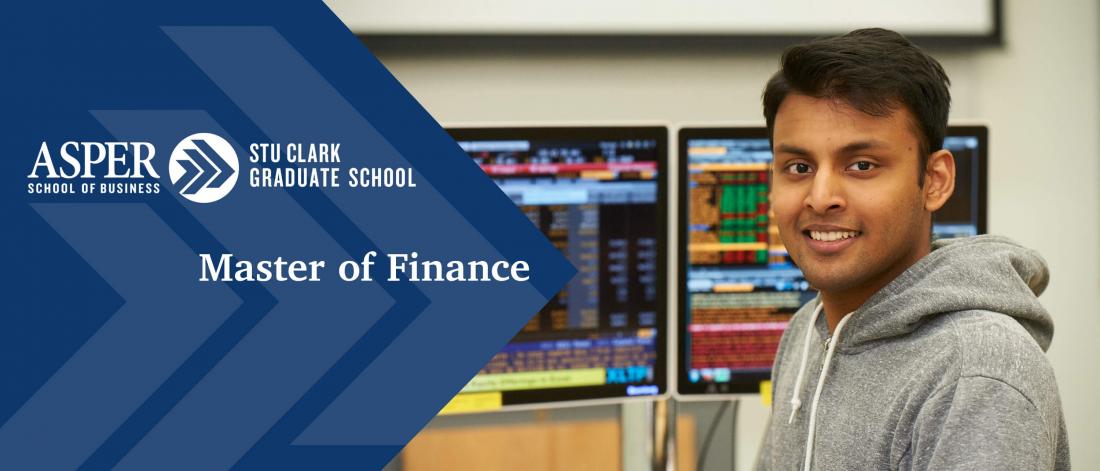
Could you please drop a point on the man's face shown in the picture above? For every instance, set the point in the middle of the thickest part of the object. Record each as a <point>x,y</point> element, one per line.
<point>845,193</point>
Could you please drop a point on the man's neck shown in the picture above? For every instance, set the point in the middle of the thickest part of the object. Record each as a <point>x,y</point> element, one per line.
<point>838,304</point>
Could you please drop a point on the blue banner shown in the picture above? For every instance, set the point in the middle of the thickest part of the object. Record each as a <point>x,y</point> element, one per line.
<point>234,240</point>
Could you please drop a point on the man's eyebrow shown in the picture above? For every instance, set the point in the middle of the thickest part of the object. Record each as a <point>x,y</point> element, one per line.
<point>789,149</point>
<point>851,148</point>
<point>858,146</point>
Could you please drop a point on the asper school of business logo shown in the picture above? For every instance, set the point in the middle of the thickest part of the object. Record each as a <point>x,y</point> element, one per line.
<point>203,168</point>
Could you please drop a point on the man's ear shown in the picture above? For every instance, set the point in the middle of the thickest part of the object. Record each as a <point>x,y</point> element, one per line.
<point>939,179</point>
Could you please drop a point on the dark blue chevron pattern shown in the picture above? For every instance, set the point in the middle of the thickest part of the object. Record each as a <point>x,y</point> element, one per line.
<point>139,365</point>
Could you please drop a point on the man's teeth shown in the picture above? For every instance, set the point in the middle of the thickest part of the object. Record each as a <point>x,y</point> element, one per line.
<point>831,236</point>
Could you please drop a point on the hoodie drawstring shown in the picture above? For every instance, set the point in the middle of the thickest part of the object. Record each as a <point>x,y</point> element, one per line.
<point>830,348</point>
<point>796,402</point>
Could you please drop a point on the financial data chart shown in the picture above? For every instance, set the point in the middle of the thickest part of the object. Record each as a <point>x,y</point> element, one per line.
<point>738,285</point>
<point>598,195</point>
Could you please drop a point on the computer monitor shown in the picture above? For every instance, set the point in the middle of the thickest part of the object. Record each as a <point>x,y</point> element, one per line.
<point>964,212</point>
<point>738,286</point>
<point>599,194</point>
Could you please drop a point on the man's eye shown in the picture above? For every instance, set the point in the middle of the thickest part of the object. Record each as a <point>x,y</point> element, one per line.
<point>798,168</point>
<point>862,166</point>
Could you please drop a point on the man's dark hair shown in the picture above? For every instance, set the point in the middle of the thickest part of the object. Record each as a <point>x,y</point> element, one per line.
<point>874,70</point>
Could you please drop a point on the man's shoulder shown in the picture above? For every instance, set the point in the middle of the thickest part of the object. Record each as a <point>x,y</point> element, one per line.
<point>991,345</point>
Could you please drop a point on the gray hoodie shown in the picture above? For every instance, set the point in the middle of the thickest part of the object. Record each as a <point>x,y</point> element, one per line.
<point>941,369</point>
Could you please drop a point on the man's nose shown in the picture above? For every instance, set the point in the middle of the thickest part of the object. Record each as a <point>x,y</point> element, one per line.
<point>826,193</point>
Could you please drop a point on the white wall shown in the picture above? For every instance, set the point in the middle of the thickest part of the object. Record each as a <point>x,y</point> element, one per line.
<point>1040,93</point>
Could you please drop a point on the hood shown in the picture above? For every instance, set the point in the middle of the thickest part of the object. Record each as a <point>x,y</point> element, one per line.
<point>989,273</point>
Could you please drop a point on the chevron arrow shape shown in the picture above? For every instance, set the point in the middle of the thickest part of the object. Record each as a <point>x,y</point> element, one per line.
<point>166,314</point>
<point>224,169</point>
<point>207,170</point>
<point>287,352</point>
<point>246,407</point>
<point>267,402</point>
<point>191,173</point>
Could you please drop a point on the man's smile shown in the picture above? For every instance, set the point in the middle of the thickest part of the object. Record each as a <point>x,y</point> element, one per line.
<point>829,240</point>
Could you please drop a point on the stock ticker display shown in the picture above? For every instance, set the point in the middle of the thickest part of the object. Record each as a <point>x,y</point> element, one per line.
<point>738,285</point>
<point>597,194</point>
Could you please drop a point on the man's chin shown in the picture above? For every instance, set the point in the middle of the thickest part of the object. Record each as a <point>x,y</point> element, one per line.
<point>831,282</point>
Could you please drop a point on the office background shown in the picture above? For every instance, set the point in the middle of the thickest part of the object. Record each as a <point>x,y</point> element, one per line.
<point>1039,92</point>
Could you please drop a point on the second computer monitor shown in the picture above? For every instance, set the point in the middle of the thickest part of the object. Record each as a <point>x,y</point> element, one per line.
<point>738,286</point>
<point>598,194</point>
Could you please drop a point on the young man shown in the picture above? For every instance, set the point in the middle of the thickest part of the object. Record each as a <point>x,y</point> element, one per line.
<point>916,354</point>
